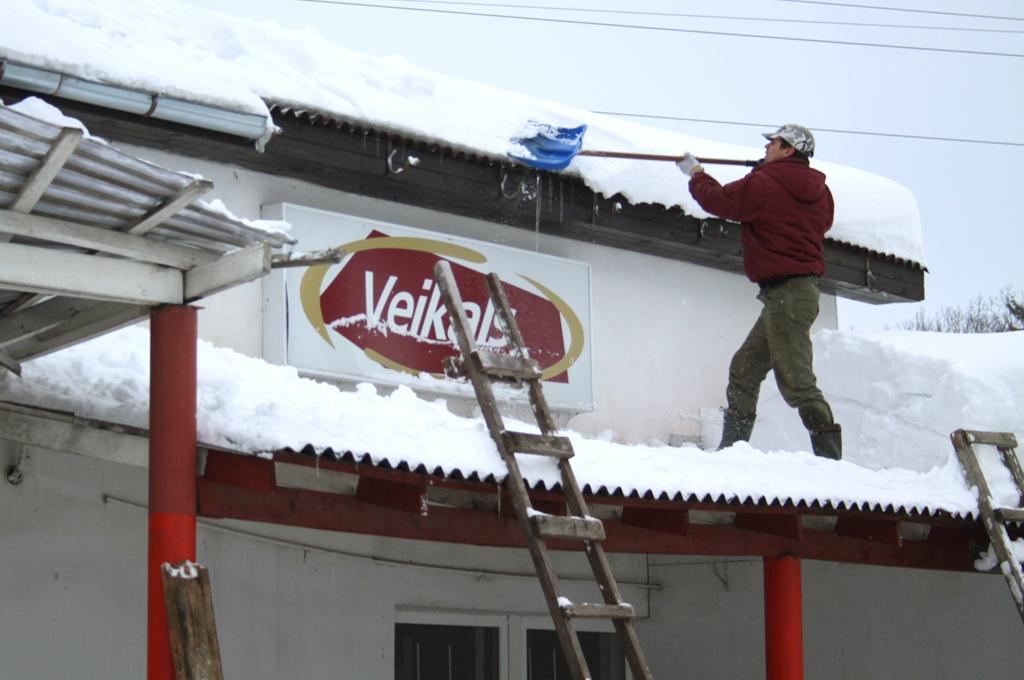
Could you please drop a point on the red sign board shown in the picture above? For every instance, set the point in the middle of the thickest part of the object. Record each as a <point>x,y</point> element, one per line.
<point>385,301</point>
<point>377,315</point>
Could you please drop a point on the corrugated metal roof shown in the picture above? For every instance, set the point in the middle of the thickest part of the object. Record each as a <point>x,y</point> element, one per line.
<point>101,186</point>
<point>825,501</point>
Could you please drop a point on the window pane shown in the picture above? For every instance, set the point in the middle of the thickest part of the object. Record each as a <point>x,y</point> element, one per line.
<point>545,661</point>
<point>428,652</point>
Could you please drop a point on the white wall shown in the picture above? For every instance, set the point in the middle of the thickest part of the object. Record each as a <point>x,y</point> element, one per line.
<point>663,330</point>
<point>289,603</point>
<point>860,622</point>
<point>295,603</point>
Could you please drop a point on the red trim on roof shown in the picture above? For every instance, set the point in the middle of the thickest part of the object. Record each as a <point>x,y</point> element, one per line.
<point>397,504</point>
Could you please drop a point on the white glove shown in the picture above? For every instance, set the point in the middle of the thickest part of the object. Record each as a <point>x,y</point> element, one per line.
<point>689,165</point>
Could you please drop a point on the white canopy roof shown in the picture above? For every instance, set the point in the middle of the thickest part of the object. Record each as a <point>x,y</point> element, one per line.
<point>92,238</point>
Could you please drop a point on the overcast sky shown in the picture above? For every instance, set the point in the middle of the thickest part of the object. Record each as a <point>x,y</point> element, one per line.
<point>968,192</point>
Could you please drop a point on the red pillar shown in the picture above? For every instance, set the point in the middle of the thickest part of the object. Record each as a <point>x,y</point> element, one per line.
<point>172,465</point>
<point>783,619</point>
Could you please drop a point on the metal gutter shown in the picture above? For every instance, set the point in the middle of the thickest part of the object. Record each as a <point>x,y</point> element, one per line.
<point>153,105</point>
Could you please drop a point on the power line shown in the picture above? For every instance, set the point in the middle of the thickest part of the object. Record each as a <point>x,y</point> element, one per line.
<point>667,29</point>
<point>816,129</point>
<point>727,17</point>
<point>903,9</point>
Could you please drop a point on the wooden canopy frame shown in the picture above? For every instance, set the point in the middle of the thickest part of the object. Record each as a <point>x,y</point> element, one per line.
<point>92,239</point>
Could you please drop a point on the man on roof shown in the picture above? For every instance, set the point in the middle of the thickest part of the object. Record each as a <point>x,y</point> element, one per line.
<point>785,208</point>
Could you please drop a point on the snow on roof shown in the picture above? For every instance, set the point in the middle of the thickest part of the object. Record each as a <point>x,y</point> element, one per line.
<point>898,394</point>
<point>206,57</point>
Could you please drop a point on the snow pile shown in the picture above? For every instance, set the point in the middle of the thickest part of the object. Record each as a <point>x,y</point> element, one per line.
<point>186,52</point>
<point>988,560</point>
<point>246,404</point>
<point>266,226</point>
<point>898,395</point>
<point>37,108</point>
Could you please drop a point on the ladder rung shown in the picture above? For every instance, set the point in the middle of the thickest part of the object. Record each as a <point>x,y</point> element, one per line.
<point>560,526</point>
<point>508,366</point>
<point>598,611</point>
<point>1009,514</point>
<point>538,444</point>
<point>1003,440</point>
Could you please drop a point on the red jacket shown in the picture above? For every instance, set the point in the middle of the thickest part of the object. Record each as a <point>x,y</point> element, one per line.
<point>784,207</point>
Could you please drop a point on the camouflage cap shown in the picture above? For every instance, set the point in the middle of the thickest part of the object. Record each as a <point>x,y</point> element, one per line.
<point>797,136</point>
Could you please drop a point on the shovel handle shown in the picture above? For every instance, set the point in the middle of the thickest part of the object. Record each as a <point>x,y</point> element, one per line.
<point>659,157</point>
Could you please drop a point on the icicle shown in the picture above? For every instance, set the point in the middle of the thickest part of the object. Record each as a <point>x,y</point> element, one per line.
<point>536,225</point>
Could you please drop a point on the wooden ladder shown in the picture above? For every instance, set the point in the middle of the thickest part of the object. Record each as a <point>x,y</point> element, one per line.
<point>483,367</point>
<point>995,518</point>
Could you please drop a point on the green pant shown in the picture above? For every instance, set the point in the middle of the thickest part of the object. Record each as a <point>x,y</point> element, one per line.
<point>781,341</point>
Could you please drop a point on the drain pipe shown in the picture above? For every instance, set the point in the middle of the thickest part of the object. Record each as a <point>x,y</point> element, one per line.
<point>254,126</point>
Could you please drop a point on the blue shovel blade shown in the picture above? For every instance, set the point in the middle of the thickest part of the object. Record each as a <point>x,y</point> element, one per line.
<point>550,147</point>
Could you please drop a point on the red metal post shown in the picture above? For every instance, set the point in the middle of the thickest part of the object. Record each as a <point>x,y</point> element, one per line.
<point>172,466</point>
<point>783,619</point>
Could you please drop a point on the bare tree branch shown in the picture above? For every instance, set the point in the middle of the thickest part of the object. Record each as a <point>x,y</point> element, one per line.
<point>999,314</point>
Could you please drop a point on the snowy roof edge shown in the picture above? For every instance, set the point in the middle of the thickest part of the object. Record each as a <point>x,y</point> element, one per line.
<point>679,496</point>
<point>314,116</point>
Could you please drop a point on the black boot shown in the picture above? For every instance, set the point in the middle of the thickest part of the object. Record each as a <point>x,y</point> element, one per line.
<point>736,427</point>
<point>827,441</point>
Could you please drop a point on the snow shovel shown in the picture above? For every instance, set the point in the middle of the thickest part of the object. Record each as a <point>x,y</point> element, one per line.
<point>553,148</point>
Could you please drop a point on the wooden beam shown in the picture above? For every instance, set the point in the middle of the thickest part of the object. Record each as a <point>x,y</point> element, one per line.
<point>786,525</point>
<point>8,362</point>
<point>560,526</point>
<point>41,317</point>
<point>172,205</point>
<point>307,259</point>
<point>1003,440</point>
<point>351,464</point>
<point>669,520</point>
<point>249,472</point>
<point>884,531</point>
<point>960,538</point>
<point>541,444</point>
<point>191,623</point>
<point>335,512</point>
<point>315,479</point>
<point>228,270</point>
<point>102,240</point>
<point>36,183</point>
<point>393,494</point>
<point>469,526</point>
<point>53,272</point>
<point>63,431</point>
<point>102,318</point>
<point>583,610</point>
